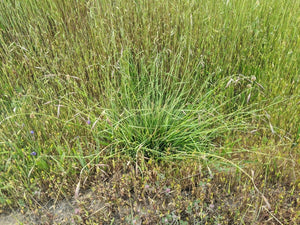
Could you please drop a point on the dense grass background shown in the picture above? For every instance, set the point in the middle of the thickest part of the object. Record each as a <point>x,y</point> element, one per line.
<point>85,81</point>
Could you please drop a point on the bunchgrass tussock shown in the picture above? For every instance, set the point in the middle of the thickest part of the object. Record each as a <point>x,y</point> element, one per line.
<point>158,113</point>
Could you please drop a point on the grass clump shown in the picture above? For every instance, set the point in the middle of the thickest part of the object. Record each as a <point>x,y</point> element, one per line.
<point>158,112</point>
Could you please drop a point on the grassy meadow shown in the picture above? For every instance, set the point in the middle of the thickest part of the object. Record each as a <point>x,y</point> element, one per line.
<point>150,111</point>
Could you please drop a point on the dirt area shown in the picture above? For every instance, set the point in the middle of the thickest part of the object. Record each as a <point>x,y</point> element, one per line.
<point>159,197</point>
<point>11,219</point>
<point>60,214</point>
